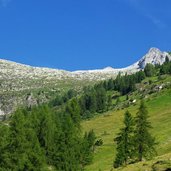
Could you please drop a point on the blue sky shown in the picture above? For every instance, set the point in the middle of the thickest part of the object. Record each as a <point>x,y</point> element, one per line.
<point>82,34</point>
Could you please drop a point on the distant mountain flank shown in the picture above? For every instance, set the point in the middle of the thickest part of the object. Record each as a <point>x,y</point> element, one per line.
<point>26,85</point>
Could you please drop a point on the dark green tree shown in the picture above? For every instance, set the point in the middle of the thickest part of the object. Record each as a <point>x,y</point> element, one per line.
<point>24,152</point>
<point>46,130</point>
<point>101,98</point>
<point>139,76</point>
<point>87,148</point>
<point>110,84</point>
<point>93,102</point>
<point>109,101</point>
<point>71,93</point>
<point>91,139</point>
<point>4,133</point>
<point>167,59</point>
<point>90,101</point>
<point>149,70</point>
<point>124,141</point>
<point>68,147</point>
<point>82,104</point>
<point>73,109</point>
<point>144,142</point>
<point>57,101</point>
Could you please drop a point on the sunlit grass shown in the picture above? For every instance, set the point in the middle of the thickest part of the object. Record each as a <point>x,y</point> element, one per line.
<point>108,125</point>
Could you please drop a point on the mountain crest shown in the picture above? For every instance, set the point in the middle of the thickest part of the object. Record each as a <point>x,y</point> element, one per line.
<point>154,56</point>
<point>154,50</point>
<point>11,70</point>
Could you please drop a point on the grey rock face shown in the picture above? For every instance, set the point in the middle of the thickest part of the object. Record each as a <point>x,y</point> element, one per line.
<point>154,56</point>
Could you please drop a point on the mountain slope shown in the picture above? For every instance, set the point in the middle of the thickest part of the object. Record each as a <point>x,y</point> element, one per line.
<point>26,85</point>
<point>107,126</point>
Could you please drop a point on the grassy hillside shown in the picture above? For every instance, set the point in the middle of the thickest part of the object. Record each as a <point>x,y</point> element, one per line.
<point>160,163</point>
<point>108,125</point>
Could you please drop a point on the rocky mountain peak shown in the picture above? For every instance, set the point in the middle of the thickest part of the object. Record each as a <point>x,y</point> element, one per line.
<point>154,50</point>
<point>154,56</point>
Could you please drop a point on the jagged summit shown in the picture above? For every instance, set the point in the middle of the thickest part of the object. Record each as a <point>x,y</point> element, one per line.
<point>154,56</point>
<point>154,49</point>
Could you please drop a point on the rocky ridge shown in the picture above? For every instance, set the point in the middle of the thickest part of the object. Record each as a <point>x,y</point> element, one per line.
<point>12,71</point>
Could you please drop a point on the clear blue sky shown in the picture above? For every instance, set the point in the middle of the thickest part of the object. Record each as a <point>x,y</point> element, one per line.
<point>82,34</point>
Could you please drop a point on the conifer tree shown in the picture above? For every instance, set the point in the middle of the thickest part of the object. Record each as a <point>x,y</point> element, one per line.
<point>69,145</point>
<point>91,139</point>
<point>90,101</point>
<point>144,142</point>
<point>149,70</point>
<point>4,133</point>
<point>109,102</point>
<point>93,102</point>
<point>110,84</point>
<point>167,60</point>
<point>124,142</point>
<point>87,148</point>
<point>46,131</point>
<point>24,152</point>
<point>101,98</point>
<point>73,109</point>
<point>82,104</point>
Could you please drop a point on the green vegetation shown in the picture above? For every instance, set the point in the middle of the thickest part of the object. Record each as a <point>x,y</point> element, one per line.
<point>144,142</point>
<point>149,70</point>
<point>39,138</point>
<point>125,142</point>
<point>111,123</point>
<point>134,142</point>
<point>99,98</point>
<point>50,136</point>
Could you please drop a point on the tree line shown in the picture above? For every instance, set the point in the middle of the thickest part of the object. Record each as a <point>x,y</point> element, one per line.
<point>97,98</point>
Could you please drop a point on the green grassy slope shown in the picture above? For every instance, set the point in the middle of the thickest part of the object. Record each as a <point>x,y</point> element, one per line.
<point>107,126</point>
<point>160,163</point>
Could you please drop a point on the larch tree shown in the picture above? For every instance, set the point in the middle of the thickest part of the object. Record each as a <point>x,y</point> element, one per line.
<point>144,141</point>
<point>124,142</point>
